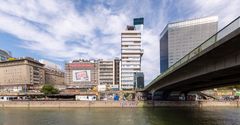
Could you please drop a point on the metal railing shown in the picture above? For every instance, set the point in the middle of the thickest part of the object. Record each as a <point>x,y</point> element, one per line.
<point>235,24</point>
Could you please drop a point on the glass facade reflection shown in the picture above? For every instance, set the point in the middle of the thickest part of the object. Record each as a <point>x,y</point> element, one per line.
<point>4,55</point>
<point>179,38</point>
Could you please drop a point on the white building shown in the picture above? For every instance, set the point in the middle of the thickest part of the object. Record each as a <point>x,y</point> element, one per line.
<point>131,53</point>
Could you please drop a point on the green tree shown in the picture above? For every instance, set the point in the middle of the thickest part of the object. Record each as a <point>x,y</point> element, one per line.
<point>48,89</point>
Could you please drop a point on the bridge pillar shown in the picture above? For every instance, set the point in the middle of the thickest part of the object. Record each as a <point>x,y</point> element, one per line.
<point>153,92</point>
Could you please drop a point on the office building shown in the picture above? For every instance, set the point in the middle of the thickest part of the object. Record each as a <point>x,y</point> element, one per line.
<point>179,38</point>
<point>4,55</point>
<point>131,54</point>
<point>21,74</point>
<point>109,71</point>
<point>139,80</point>
<point>106,72</point>
<point>81,74</point>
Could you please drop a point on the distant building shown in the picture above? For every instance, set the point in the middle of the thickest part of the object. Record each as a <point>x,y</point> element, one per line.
<point>138,80</point>
<point>50,65</point>
<point>81,74</point>
<point>53,73</point>
<point>21,74</point>
<point>179,38</point>
<point>131,54</point>
<point>4,55</point>
<point>109,72</point>
<point>106,72</point>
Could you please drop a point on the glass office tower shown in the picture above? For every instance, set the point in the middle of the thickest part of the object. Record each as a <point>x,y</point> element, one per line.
<point>179,38</point>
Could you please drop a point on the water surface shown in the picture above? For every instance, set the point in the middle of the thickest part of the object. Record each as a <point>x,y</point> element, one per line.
<point>120,116</point>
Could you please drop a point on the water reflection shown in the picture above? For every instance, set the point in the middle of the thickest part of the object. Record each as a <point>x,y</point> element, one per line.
<point>120,116</point>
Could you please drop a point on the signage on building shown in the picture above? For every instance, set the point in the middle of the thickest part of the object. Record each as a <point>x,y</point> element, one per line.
<point>81,65</point>
<point>81,75</point>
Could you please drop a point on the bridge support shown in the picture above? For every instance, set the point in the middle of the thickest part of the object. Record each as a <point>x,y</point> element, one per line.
<point>153,92</point>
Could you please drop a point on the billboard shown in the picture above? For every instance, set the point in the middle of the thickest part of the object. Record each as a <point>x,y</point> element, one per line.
<point>81,75</point>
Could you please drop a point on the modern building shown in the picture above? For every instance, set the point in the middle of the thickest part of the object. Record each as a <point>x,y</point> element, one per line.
<point>109,71</point>
<point>53,73</point>
<point>21,74</point>
<point>179,38</point>
<point>4,55</point>
<point>81,74</point>
<point>131,54</point>
<point>139,80</point>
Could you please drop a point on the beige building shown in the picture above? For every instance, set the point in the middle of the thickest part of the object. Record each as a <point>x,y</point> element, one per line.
<point>106,72</point>
<point>21,74</point>
<point>55,77</point>
<point>109,72</point>
<point>53,73</point>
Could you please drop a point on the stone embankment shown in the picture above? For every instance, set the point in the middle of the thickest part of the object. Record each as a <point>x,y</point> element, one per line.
<point>117,104</point>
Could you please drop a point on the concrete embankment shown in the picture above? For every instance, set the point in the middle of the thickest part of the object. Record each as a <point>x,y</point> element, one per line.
<point>117,104</point>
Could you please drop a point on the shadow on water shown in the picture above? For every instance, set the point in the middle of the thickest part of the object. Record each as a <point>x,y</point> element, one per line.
<point>120,116</point>
<point>193,116</point>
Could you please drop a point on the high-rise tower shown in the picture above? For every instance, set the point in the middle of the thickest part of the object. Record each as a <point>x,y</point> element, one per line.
<point>131,53</point>
<point>179,38</point>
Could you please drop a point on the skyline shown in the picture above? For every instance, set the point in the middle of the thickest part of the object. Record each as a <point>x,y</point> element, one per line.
<point>63,30</point>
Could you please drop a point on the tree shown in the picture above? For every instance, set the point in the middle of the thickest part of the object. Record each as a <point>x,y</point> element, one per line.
<point>48,89</point>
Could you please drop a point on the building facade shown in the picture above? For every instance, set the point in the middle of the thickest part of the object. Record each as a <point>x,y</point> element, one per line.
<point>109,71</point>
<point>81,74</point>
<point>106,72</point>
<point>139,80</point>
<point>53,73</point>
<point>4,55</point>
<point>21,74</point>
<point>131,54</point>
<point>179,38</point>
<point>117,71</point>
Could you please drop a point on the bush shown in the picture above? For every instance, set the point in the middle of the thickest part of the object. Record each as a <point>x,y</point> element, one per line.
<point>49,89</point>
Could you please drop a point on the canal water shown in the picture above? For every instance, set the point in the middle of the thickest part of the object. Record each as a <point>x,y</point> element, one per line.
<point>120,116</point>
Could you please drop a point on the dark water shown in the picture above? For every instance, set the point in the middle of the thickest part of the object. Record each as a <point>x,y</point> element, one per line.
<point>120,116</point>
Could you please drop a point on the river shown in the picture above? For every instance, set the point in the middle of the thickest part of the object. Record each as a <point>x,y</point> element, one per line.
<point>120,116</point>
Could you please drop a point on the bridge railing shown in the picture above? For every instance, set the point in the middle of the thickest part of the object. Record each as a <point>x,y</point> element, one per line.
<point>235,24</point>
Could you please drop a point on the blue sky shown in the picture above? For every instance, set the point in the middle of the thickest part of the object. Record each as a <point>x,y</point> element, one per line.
<point>61,30</point>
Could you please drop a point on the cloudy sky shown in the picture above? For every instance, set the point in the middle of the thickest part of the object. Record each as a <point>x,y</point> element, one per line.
<point>61,30</point>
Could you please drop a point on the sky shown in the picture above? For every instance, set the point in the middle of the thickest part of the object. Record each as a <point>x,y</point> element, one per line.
<point>62,30</point>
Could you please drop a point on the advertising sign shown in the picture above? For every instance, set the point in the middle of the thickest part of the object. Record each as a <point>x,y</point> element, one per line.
<point>81,76</point>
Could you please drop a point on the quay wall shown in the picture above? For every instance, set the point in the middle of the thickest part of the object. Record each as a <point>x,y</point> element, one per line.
<point>117,104</point>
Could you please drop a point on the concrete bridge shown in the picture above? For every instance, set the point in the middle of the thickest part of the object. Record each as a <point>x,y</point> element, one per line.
<point>214,63</point>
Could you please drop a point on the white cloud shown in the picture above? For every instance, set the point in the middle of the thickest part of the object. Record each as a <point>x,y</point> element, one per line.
<point>226,10</point>
<point>58,30</point>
